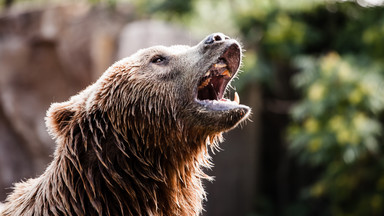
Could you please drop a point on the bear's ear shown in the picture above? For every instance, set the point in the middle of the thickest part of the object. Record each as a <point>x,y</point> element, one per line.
<point>59,116</point>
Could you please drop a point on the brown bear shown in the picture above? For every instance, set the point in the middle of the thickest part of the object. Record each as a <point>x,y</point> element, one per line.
<point>135,141</point>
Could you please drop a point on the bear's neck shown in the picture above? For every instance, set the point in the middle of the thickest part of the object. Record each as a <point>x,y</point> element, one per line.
<point>102,172</point>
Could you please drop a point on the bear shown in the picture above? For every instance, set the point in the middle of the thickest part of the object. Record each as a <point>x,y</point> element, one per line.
<point>136,141</point>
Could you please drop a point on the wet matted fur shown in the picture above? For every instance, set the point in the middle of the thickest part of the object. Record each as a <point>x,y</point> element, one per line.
<point>135,141</point>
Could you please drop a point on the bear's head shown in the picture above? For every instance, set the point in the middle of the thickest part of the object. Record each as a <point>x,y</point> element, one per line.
<point>161,94</point>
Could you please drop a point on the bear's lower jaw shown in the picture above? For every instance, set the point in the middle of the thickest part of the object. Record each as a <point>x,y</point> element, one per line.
<point>221,116</point>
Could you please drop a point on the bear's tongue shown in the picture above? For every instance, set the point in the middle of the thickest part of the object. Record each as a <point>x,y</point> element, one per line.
<point>213,84</point>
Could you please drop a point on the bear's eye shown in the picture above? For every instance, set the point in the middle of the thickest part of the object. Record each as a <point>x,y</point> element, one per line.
<point>158,59</point>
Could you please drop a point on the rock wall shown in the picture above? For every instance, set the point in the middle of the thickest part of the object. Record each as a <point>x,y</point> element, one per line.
<point>46,55</point>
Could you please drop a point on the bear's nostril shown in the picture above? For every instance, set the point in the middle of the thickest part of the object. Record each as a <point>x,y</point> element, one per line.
<point>216,38</point>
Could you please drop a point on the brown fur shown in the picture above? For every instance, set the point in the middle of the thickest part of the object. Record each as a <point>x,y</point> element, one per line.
<point>133,143</point>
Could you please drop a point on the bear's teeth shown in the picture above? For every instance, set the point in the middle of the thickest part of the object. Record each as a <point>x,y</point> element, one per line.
<point>205,83</point>
<point>226,73</point>
<point>208,73</point>
<point>236,98</point>
<point>220,65</point>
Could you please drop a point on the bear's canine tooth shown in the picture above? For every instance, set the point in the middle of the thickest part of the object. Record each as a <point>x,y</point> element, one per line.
<point>208,73</point>
<point>236,98</point>
<point>226,73</point>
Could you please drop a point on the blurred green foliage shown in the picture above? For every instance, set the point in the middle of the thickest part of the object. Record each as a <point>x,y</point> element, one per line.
<point>338,116</point>
<point>337,126</point>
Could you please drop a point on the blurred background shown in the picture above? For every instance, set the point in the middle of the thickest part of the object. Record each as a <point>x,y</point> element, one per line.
<point>313,74</point>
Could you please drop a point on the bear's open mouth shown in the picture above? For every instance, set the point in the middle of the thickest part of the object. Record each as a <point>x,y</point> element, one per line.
<point>214,82</point>
<point>212,85</point>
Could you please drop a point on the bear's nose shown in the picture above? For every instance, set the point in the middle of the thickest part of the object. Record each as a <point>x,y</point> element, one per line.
<point>216,37</point>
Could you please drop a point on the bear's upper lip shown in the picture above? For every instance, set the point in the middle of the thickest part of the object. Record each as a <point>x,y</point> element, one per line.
<point>212,85</point>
